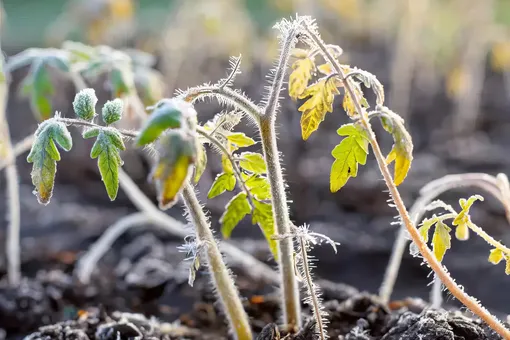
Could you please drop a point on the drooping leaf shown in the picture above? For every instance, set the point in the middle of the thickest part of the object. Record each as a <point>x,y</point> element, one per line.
<point>253,162</point>
<point>201,162</point>
<point>122,80</point>
<point>235,211</point>
<point>351,151</point>
<point>402,150</point>
<point>37,86</point>
<point>44,156</point>
<point>507,266</point>
<point>167,114</point>
<point>300,76</point>
<point>425,227</point>
<point>224,181</point>
<point>462,220</point>
<point>348,103</point>
<point>84,104</point>
<point>176,153</point>
<point>441,241</point>
<point>107,149</point>
<point>315,108</point>
<point>258,186</point>
<point>263,216</point>
<point>240,139</point>
<point>496,255</point>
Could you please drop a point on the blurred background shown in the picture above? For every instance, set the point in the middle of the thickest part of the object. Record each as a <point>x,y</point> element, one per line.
<point>445,65</point>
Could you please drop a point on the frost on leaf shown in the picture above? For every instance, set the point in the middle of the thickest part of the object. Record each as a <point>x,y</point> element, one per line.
<point>351,151</point>
<point>463,219</point>
<point>402,150</point>
<point>107,149</point>
<point>235,211</point>
<point>167,114</point>
<point>496,255</point>
<point>44,156</point>
<point>253,162</point>
<point>320,102</point>
<point>300,76</point>
<point>348,103</point>
<point>441,241</point>
<point>223,182</point>
<point>176,152</point>
<point>263,216</point>
<point>84,104</point>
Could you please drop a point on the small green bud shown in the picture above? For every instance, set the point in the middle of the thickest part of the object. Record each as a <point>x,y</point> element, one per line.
<point>84,104</point>
<point>112,111</point>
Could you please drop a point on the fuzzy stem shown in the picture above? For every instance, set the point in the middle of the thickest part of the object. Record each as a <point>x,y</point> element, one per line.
<point>221,277</point>
<point>11,173</point>
<point>314,299</point>
<point>427,194</point>
<point>441,272</point>
<point>290,293</point>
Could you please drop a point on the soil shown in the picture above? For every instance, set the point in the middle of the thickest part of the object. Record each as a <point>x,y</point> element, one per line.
<point>140,287</point>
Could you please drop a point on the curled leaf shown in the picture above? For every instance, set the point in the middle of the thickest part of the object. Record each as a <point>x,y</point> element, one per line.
<point>351,151</point>
<point>112,111</point>
<point>300,76</point>
<point>441,241</point>
<point>462,220</point>
<point>84,104</point>
<point>176,153</point>
<point>496,255</point>
<point>44,156</point>
<point>315,108</point>
<point>235,211</point>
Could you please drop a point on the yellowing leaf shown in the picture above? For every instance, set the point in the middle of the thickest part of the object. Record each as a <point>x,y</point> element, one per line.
<point>402,150</point>
<point>258,186</point>
<point>263,216</point>
<point>325,69</point>
<point>507,266</point>
<point>240,139</point>
<point>500,56</point>
<point>300,77</point>
<point>496,255</point>
<point>235,211</point>
<point>425,227</point>
<point>44,156</point>
<point>253,162</point>
<point>176,153</point>
<point>224,181</point>
<point>225,161</point>
<point>201,162</point>
<point>351,151</point>
<point>315,108</point>
<point>348,103</point>
<point>462,220</point>
<point>441,241</point>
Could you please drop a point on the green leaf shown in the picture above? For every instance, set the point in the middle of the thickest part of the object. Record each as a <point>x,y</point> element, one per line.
<point>441,241</point>
<point>149,85</point>
<point>44,156</point>
<point>84,104</point>
<point>402,150</point>
<point>201,162</point>
<point>176,153</point>
<point>263,216</point>
<point>107,149</point>
<point>351,151</point>
<point>496,255</point>
<point>235,211</point>
<point>122,80</point>
<point>167,114</point>
<point>462,220</point>
<point>37,86</point>
<point>253,162</point>
<point>240,139</point>
<point>91,133</point>
<point>112,111</point>
<point>258,186</point>
<point>224,181</point>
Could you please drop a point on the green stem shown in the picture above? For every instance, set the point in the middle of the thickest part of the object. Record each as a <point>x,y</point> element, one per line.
<point>221,277</point>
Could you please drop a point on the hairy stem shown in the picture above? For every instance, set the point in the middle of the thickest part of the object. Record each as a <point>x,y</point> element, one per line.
<point>290,290</point>
<point>221,277</point>
<point>441,272</point>
<point>427,194</point>
<point>13,209</point>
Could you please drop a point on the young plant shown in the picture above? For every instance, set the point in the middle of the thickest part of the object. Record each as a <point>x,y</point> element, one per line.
<point>497,186</point>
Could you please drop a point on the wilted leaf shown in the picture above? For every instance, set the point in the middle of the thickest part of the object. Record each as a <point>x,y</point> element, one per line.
<point>425,227</point>
<point>176,153</point>
<point>201,162</point>
<point>462,220</point>
<point>253,162</point>
<point>240,139</point>
<point>235,211</point>
<point>224,181</point>
<point>496,255</point>
<point>300,76</point>
<point>351,151</point>
<point>348,103</point>
<point>315,108</point>
<point>167,114</point>
<point>263,216</point>
<point>107,149</point>
<point>402,150</point>
<point>441,241</point>
<point>44,156</point>
<point>37,86</point>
